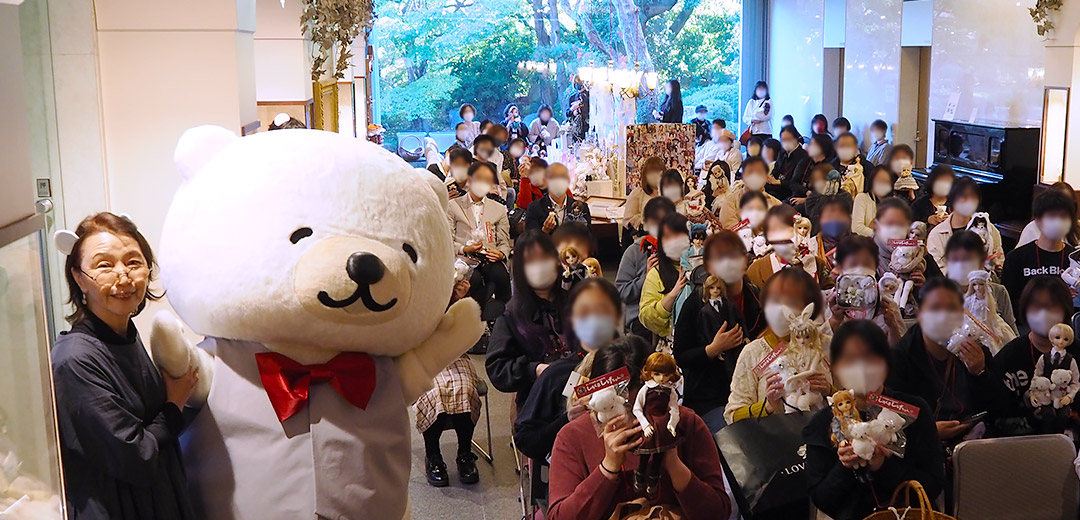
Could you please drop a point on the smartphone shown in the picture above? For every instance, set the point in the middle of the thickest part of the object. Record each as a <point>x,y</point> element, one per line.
<point>971,419</point>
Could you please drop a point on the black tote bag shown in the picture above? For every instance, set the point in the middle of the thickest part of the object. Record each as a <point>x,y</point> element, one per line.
<point>765,460</point>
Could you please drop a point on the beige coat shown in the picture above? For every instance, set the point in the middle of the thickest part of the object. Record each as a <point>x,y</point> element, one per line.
<point>729,205</point>
<point>496,225</point>
<point>939,236</point>
<point>634,208</point>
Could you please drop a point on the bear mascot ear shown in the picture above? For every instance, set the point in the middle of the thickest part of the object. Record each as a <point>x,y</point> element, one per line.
<point>197,146</point>
<point>437,185</point>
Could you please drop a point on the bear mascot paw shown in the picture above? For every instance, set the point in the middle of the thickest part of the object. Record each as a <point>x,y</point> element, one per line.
<point>318,267</point>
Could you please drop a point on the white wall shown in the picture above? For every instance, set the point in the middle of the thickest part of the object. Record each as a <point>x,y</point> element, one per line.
<point>16,197</point>
<point>282,56</point>
<point>796,39</point>
<point>872,63</point>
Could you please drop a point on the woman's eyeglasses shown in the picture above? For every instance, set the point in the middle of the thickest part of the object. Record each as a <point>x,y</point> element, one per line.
<point>108,277</point>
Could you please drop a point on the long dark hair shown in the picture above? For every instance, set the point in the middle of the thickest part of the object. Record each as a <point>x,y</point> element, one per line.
<point>824,121</point>
<point>758,85</point>
<point>825,142</point>
<point>673,103</point>
<point>629,351</point>
<point>525,302</point>
<point>668,268</point>
<point>104,222</point>
<point>868,182</point>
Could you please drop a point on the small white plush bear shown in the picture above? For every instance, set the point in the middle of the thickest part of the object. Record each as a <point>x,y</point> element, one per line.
<point>886,426</point>
<point>761,247</point>
<point>1039,392</point>
<point>607,404</point>
<point>862,443</point>
<point>319,268</point>
<point>1060,380</point>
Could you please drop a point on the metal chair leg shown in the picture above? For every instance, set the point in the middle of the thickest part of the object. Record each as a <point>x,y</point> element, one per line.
<point>488,453</point>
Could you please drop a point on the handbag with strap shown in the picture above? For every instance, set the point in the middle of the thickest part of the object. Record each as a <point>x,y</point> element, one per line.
<point>924,511</point>
<point>765,459</point>
<point>640,509</point>
<point>744,139</point>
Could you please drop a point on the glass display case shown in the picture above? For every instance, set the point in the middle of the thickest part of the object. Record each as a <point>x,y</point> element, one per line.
<point>30,473</point>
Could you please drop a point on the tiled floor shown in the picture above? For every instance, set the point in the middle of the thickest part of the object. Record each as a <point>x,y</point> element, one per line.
<point>495,497</point>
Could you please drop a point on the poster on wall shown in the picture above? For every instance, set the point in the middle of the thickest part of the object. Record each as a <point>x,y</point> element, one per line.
<point>674,142</point>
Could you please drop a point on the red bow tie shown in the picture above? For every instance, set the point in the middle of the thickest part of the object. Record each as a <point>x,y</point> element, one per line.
<point>287,382</point>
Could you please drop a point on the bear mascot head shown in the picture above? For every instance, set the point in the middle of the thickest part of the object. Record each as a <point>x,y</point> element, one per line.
<point>320,268</point>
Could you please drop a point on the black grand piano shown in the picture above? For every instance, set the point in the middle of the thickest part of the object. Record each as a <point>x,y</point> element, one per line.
<point>1004,160</point>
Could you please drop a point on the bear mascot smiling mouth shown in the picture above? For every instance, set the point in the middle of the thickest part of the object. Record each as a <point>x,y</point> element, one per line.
<point>318,267</point>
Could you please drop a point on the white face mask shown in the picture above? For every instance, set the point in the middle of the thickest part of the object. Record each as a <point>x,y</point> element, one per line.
<point>877,135</point>
<point>887,233</point>
<point>846,153</point>
<point>958,271</point>
<point>558,185</point>
<point>485,153</point>
<point>479,188</point>
<point>468,116</point>
<point>674,247</point>
<point>753,150</point>
<point>814,150</point>
<point>785,251</point>
<point>820,186</point>
<point>653,179</point>
<point>789,146</point>
<point>760,93</point>
<point>460,173</point>
<point>653,230</point>
<point>939,326</point>
<point>715,134</point>
<point>754,182</point>
<point>517,151</point>
<point>1054,228</point>
<point>1042,320</point>
<point>673,193</point>
<point>536,179</point>
<point>774,316</point>
<point>541,274</point>
<point>882,189</point>
<point>899,165</point>
<point>966,207</point>
<point>941,187</point>
<point>861,377</point>
<point>754,216</point>
<point>461,136</point>
<point>730,270</point>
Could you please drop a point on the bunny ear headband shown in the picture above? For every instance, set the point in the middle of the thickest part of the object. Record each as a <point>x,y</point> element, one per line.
<point>65,238</point>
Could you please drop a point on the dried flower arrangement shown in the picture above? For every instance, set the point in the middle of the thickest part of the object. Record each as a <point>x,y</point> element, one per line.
<point>1040,14</point>
<point>331,24</point>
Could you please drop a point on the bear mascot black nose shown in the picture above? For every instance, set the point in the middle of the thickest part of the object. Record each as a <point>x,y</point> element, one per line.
<point>365,268</point>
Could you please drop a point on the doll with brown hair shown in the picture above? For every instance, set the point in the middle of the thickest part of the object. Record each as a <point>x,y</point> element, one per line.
<point>656,409</point>
<point>592,265</point>
<point>574,269</point>
<point>717,312</point>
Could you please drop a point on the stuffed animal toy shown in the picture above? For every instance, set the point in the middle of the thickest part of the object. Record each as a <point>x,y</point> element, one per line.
<point>319,268</point>
<point>761,246</point>
<point>1039,392</point>
<point>889,286</point>
<point>1061,380</point>
<point>862,443</point>
<point>607,404</point>
<point>854,179</point>
<point>886,427</point>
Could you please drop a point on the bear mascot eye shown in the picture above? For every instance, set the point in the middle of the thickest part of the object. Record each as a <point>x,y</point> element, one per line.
<point>409,250</point>
<point>300,234</point>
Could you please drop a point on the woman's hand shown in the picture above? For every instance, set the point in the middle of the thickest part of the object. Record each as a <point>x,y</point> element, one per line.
<point>178,390</point>
<point>948,429</point>
<point>917,277</point>
<point>652,262</point>
<point>936,219</point>
<point>620,437</point>
<point>836,313</point>
<point>847,456</point>
<point>819,384</point>
<point>472,248</point>
<point>461,289</point>
<point>774,393</point>
<point>972,356</point>
<point>725,340</point>
<point>676,469</point>
<point>890,310</point>
<point>669,299</point>
<point>656,114</point>
<point>769,179</point>
<point>796,201</point>
<point>880,454</point>
<point>541,368</point>
<point>493,255</point>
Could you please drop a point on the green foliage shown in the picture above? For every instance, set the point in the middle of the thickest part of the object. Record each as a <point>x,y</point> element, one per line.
<point>488,68</point>
<point>722,101</point>
<point>705,51</point>
<point>424,98</point>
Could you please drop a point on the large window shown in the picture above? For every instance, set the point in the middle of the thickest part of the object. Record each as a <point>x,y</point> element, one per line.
<point>434,55</point>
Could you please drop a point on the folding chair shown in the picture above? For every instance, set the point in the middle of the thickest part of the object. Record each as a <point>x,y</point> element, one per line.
<point>534,487</point>
<point>1032,478</point>
<point>486,454</point>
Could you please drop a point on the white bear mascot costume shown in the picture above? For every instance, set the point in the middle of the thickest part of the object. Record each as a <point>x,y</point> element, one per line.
<point>319,267</point>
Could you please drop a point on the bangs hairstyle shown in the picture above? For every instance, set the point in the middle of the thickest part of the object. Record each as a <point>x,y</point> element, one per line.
<point>657,208</point>
<point>724,239</point>
<point>782,282</point>
<point>607,288</point>
<point>894,203</point>
<point>780,213</point>
<point>854,244</point>
<point>941,282</point>
<point>864,330</point>
<point>668,268</point>
<point>660,363</point>
<point>1056,289</point>
<point>104,222</point>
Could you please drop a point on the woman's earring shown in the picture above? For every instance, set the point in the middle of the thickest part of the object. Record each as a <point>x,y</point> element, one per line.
<point>83,299</point>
